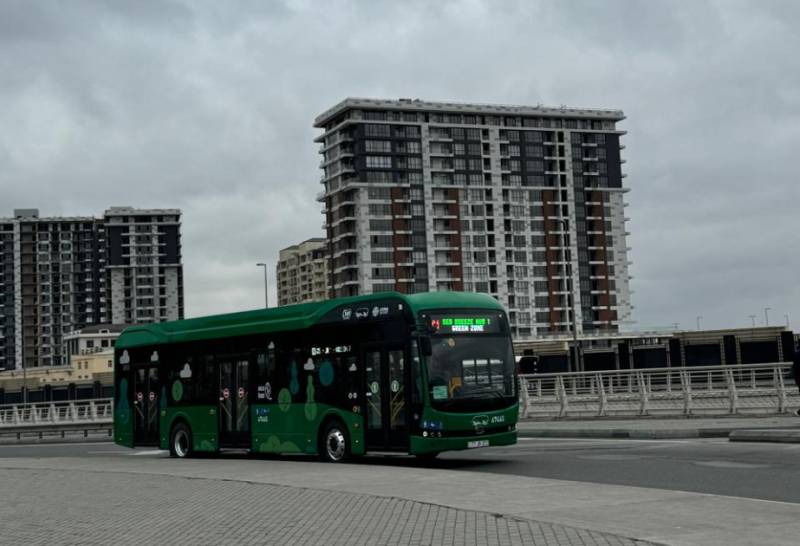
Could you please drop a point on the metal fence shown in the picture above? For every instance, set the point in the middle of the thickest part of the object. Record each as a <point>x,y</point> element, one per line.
<point>48,414</point>
<point>751,389</point>
<point>708,390</point>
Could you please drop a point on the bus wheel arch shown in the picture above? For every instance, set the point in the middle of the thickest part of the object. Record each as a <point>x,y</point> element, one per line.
<point>180,439</point>
<point>334,441</point>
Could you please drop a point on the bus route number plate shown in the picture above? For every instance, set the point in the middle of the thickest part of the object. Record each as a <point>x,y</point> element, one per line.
<point>478,443</point>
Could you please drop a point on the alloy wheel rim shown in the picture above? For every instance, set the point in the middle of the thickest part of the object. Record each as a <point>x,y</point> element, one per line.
<point>335,444</point>
<point>181,444</point>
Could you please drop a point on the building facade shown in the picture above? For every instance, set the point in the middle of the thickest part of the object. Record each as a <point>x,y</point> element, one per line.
<point>60,274</point>
<point>524,203</point>
<point>88,340</point>
<point>302,272</point>
<point>629,350</point>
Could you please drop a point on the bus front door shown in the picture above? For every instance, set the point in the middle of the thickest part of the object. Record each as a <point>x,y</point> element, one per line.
<point>234,405</point>
<point>146,392</point>
<point>385,400</point>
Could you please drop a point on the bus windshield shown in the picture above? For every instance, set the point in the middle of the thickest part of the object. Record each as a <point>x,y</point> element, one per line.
<point>471,373</point>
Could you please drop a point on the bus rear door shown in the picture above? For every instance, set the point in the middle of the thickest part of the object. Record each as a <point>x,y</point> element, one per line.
<point>234,405</point>
<point>146,392</point>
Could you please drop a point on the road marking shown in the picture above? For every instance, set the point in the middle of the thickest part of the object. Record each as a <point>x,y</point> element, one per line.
<point>150,452</point>
<point>545,439</point>
<point>54,444</point>
<point>729,464</point>
<point>102,452</point>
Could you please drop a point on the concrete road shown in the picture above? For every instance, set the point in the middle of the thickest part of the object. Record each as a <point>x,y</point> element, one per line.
<point>714,466</point>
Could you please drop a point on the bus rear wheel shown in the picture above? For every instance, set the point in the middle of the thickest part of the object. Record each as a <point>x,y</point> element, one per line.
<point>180,441</point>
<point>335,443</point>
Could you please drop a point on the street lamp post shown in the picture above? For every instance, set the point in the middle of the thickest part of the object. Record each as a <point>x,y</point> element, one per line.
<point>266,289</point>
<point>766,315</point>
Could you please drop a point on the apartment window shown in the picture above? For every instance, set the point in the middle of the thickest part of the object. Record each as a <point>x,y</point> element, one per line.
<point>380,210</point>
<point>379,162</point>
<point>380,225</point>
<point>378,146</point>
<point>375,130</point>
<point>379,193</point>
<point>382,257</point>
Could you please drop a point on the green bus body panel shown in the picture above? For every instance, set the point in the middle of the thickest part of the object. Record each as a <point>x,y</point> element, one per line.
<point>123,424</point>
<point>202,421</point>
<point>420,445</point>
<point>294,428</point>
<point>506,417</point>
<point>290,317</point>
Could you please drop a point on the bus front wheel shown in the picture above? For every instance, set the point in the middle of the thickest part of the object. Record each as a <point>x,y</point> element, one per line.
<point>180,444</point>
<point>335,444</point>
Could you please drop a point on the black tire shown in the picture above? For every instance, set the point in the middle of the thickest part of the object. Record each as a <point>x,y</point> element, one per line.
<point>180,441</point>
<point>334,443</point>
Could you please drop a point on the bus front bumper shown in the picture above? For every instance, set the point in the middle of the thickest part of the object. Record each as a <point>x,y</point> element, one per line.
<point>421,445</point>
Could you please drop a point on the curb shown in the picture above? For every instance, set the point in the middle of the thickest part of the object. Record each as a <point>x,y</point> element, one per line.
<point>782,436</point>
<point>622,434</point>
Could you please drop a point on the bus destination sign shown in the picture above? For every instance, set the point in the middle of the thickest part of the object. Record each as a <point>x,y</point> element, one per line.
<point>464,324</point>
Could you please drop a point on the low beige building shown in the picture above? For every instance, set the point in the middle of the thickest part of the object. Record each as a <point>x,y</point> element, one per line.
<point>45,383</point>
<point>302,272</point>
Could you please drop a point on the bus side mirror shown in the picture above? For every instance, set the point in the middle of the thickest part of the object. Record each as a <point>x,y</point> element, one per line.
<point>425,346</point>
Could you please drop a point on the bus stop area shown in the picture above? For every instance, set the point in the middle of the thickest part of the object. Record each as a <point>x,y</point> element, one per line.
<point>143,497</point>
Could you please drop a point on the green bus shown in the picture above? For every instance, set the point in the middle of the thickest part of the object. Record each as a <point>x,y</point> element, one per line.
<point>417,374</point>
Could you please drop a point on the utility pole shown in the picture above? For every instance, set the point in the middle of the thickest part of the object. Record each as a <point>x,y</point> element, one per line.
<point>753,318</point>
<point>266,286</point>
<point>766,315</point>
<point>698,321</point>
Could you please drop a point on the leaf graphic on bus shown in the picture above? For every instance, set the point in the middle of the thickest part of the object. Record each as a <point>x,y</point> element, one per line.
<point>310,407</point>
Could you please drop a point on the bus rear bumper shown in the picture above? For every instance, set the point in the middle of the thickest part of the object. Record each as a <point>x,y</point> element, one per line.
<point>421,445</point>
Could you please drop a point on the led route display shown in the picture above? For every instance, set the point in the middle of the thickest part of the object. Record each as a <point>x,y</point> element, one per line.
<point>464,324</point>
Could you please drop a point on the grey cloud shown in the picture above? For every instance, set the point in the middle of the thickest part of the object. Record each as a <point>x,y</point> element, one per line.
<point>208,106</point>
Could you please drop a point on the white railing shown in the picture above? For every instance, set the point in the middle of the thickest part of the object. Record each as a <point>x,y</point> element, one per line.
<point>47,414</point>
<point>707,390</point>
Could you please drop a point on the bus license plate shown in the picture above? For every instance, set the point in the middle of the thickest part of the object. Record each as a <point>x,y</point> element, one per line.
<point>478,443</point>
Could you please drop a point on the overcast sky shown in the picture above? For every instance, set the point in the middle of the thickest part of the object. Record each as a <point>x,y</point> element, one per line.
<point>208,107</point>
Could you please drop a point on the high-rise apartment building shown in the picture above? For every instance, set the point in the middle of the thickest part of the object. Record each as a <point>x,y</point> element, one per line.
<point>524,203</point>
<point>144,271</point>
<point>60,274</point>
<point>302,272</point>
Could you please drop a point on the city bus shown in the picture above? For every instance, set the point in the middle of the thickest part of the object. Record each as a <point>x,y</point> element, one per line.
<point>389,372</point>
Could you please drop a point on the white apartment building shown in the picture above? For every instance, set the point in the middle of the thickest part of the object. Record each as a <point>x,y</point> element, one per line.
<point>302,272</point>
<point>525,203</point>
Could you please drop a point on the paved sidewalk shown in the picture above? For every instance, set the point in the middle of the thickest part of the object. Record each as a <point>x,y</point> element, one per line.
<point>222,498</point>
<point>82,507</point>
<point>652,427</point>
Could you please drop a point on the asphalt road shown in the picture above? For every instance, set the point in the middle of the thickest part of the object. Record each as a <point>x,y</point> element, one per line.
<point>715,466</point>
